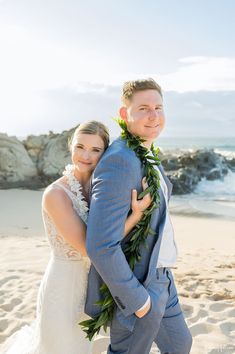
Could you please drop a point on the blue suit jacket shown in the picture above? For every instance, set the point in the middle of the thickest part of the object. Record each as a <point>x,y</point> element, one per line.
<point>116,175</point>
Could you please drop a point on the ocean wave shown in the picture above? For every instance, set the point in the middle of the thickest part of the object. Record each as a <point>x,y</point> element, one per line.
<point>219,188</point>
<point>210,198</point>
<point>226,153</point>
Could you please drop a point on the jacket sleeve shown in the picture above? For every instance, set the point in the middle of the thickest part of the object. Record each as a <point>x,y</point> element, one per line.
<point>113,181</point>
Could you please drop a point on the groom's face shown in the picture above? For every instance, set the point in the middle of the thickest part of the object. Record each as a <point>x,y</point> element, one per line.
<point>144,115</point>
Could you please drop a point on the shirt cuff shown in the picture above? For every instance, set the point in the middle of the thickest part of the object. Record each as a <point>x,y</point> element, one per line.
<point>145,305</point>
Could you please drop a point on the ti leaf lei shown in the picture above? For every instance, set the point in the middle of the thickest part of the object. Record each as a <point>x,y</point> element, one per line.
<point>138,234</point>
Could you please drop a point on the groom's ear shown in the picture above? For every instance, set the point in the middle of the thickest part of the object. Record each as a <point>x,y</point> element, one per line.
<point>123,113</point>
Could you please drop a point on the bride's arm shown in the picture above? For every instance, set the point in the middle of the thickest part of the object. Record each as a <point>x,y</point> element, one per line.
<point>138,207</point>
<point>59,208</point>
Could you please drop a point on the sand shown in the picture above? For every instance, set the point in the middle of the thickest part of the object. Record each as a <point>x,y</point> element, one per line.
<point>204,275</point>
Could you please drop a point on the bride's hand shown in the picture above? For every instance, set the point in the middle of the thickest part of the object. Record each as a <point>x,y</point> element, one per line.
<point>139,206</point>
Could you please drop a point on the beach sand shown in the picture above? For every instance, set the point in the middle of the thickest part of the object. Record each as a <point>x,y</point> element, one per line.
<point>204,276</point>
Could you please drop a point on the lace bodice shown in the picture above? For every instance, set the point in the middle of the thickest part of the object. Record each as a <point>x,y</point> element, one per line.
<point>60,248</point>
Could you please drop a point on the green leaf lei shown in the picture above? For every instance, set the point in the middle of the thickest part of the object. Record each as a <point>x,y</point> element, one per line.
<point>138,234</point>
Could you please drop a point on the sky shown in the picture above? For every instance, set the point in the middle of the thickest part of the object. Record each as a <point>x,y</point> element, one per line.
<point>64,62</point>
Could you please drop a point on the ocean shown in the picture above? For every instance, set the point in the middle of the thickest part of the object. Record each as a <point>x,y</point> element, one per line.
<point>221,145</point>
<point>210,198</point>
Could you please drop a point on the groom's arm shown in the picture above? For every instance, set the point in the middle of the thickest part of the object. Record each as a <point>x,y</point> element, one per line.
<point>114,178</point>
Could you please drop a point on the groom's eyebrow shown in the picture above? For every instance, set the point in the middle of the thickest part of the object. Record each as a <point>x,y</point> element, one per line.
<point>146,105</point>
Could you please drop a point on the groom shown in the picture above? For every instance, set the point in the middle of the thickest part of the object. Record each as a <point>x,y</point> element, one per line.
<point>147,306</point>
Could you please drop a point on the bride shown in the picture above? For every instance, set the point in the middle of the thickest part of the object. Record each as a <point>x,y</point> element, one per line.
<point>62,292</point>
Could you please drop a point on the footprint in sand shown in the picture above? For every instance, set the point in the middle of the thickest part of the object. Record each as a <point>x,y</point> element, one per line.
<point>5,280</point>
<point>19,314</point>
<point>231,313</point>
<point>201,328</point>
<point>193,274</point>
<point>212,320</point>
<point>192,285</point>
<point>200,314</point>
<point>183,294</point>
<point>217,307</point>
<point>225,295</point>
<point>225,349</point>
<point>10,305</point>
<point>232,265</point>
<point>187,309</point>
<point>220,281</point>
<point>228,327</point>
<point>3,325</point>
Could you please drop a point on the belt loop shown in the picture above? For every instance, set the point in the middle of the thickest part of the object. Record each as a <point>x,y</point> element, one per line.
<point>157,272</point>
<point>164,269</point>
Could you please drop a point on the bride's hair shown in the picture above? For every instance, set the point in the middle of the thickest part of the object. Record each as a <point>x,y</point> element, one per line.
<point>92,127</point>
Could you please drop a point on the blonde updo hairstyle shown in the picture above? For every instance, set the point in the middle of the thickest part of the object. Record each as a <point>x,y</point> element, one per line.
<point>92,127</point>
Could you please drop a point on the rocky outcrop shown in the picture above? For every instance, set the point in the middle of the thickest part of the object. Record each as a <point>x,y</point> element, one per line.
<point>54,156</point>
<point>186,169</point>
<point>35,144</point>
<point>231,163</point>
<point>184,180</point>
<point>16,167</point>
<point>38,160</point>
<point>35,162</point>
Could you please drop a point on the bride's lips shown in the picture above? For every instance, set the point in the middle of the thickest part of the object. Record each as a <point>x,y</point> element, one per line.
<point>85,163</point>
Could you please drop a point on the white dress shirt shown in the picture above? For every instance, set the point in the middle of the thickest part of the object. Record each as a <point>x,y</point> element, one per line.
<point>168,249</point>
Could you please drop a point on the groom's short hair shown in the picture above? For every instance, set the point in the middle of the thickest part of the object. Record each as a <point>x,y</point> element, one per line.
<point>131,87</point>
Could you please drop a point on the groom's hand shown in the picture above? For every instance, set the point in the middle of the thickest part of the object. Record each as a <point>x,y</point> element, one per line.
<point>144,309</point>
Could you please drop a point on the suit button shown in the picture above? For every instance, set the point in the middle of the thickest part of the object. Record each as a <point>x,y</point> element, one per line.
<point>119,302</point>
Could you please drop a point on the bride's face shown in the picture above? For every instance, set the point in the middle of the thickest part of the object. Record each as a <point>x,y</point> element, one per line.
<point>86,150</point>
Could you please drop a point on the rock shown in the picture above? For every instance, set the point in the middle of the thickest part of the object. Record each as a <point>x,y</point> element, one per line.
<point>54,156</point>
<point>215,173</point>
<point>231,163</point>
<point>170,163</point>
<point>35,145</point>
<point>16,167</point>
<point>206,161</point>
<point>184,180</point>
<point>186,169</point>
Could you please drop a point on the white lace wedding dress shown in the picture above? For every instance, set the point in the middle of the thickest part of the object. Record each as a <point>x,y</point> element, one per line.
<point>61,297</point>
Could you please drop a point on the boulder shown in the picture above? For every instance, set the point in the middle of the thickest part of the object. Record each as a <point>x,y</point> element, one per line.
<point>186,169</point>
<point>170,161</point>
<point>184,180</point>
<point>54,156</point>
<point>205,162</point>
<point>231,163</point>
<point>35,144</point>
<point>16,167</point>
